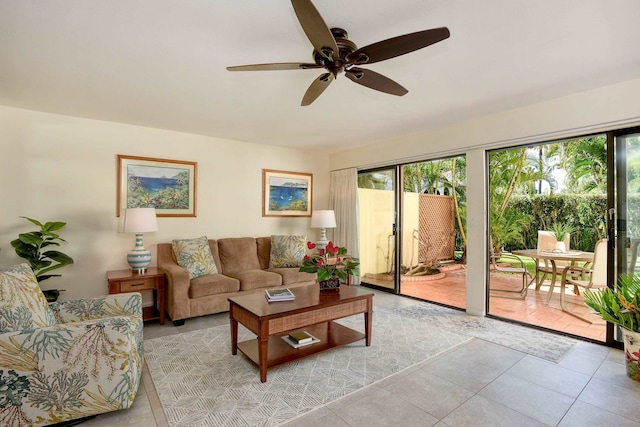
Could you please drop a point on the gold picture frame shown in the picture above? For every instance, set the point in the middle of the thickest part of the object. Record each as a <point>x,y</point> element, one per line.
<point>167,185</point>
<point>286,194</point>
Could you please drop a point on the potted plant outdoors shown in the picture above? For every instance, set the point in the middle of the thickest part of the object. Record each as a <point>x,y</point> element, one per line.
<point>560,231</point>
<point>622,307</point>
<point>332,265</point>
<point>34,247</point>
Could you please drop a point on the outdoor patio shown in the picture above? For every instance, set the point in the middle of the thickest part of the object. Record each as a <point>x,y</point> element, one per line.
<point>450,290</point>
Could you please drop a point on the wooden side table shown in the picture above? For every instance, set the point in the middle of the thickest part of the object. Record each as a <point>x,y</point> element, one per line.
<point>121,281</point>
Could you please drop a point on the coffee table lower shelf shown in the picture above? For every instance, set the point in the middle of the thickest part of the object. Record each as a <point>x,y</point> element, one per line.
<point>330,334</point>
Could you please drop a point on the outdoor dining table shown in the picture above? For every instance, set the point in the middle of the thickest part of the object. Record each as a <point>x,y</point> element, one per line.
<point>552,257</point>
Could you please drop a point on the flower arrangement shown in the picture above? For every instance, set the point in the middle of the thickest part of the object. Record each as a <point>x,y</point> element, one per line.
<point>330,262</point>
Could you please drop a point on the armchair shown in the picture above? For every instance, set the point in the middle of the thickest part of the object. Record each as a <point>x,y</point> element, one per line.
<point>67,360</point>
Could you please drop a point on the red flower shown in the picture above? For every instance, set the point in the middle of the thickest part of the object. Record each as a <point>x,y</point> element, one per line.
<point>319,263</point>
<point>332,249</point>
<point>321,252</point>
<point>306,258</point>
<point>311,245</point>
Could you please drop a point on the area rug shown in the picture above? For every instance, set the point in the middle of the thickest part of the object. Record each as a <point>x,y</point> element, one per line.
<point>200,383</point>
<point>541,344</point>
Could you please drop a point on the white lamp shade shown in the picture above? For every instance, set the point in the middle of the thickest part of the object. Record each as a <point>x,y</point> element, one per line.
<point>323,219</point>
<point>138,220</point>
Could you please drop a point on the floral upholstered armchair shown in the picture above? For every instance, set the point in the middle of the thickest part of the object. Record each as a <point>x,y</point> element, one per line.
<point>65,360</point>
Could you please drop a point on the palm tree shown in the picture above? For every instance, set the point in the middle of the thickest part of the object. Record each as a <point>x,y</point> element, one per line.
<point>510,172</point>
<point>585,161</point>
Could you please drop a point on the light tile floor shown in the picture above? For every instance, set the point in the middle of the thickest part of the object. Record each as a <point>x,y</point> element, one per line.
<point>476,384</point>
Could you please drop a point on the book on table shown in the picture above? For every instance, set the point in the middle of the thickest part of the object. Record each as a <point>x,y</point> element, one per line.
<point>279,294</point>
<point>299,339</point>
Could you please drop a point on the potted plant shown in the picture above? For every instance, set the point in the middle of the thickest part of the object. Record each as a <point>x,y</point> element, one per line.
<point>560,231</point>
<point>331,265</point>
<point>35,248</point>
<point>622,307</point>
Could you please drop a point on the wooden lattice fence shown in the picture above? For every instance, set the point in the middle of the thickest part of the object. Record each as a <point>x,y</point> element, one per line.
<point>436,229</point>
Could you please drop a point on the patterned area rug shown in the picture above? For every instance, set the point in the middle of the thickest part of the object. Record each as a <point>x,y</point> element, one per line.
<point>527,340</point>
<point>200,383</point>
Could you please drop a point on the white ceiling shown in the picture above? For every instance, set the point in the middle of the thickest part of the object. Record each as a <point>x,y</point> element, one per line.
<point>161,63</point>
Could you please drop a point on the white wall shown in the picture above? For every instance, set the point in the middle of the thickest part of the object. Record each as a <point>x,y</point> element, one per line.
<point>610,107</point>
<point>61,168</point>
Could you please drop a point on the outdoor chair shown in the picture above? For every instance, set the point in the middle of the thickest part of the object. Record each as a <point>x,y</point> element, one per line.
<point>547,242</point>
<point>65,360</point>
<point>597,273</point>
<point>516,267</point>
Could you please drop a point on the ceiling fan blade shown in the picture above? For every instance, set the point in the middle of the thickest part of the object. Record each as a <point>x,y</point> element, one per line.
<point>274,66</point>
<point>315,28</point>
<point>317,87</point>
<point>375,81</point>
<point>397,46</point>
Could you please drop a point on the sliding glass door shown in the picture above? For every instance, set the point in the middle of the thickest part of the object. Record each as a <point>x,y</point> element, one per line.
<point>377,198</point>
<point>627,208</point>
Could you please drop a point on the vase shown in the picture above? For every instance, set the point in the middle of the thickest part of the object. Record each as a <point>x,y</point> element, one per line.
<point>632,353</point>
<point>332,284</point>
<point>560,247</point>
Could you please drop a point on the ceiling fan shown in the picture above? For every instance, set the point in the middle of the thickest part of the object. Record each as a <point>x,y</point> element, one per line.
<point>333,51</point>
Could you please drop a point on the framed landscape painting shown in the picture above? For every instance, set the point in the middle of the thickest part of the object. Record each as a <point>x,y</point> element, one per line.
<point>167,185</point>
<point>286,193</point>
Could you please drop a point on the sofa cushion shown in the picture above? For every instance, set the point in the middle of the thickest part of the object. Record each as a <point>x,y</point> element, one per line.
<point>238,254</point>
<point>264,250</point>
<point>287,251</point>
<point>256,279</point>
<point>213,284</point>
<point>194,255</point>
<point>22,303</point>
<point>292,276</point>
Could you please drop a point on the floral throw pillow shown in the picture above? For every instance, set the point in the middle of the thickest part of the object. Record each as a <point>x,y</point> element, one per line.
<point>194,255</point>
<point>287,251</point>
<point>22,303</point>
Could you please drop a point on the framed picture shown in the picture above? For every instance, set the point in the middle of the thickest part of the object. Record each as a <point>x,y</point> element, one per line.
<point>167,185</point>
<point>286,193</point>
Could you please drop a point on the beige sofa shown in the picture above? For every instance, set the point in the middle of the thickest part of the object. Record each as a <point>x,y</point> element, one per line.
<point>243,267</point>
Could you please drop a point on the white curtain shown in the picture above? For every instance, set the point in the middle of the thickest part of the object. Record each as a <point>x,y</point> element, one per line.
<point>343,199</point>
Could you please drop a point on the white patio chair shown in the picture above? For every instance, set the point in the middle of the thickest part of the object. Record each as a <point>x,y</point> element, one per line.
<point>597,273</point>
<point>517,269</point>
<point>547,242</point>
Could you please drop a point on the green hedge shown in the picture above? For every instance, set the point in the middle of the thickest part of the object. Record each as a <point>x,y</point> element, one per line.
<point>585,213</point>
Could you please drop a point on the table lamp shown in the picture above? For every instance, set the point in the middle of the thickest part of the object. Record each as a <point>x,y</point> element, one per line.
<point>323,219</point>
<point>138,221</point>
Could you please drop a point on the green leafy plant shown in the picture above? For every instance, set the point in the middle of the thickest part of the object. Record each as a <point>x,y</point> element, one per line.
<point>560,230</point>
<point>619,306</point>
<point>35,248</point>
<point>330,262</point>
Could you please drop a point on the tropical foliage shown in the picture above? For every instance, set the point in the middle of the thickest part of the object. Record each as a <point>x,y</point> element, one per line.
<point>510,173</point>
<point>35,248</point>
<point>526,196</point>
<point>620,306</point>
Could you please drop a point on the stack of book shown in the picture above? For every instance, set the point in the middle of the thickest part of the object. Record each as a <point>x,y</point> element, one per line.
<point>299,339</point>
<point>279,295</point>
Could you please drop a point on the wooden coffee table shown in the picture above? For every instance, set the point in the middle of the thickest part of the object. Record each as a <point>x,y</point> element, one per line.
<point>312,310</point>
